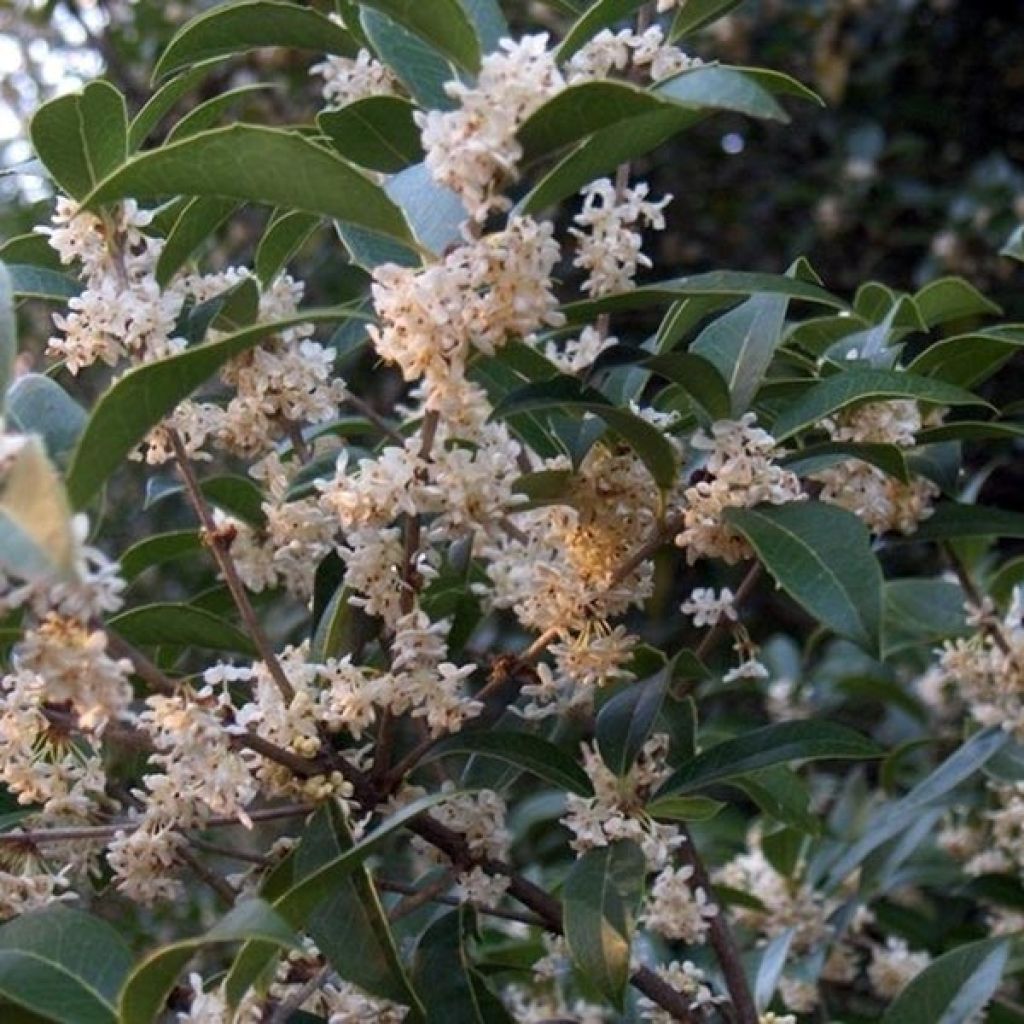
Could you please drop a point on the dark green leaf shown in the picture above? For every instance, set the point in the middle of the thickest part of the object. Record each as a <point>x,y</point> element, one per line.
<point>887,457</point>
<point>159,549</point>
<point>163,101</point>
<point>599,15</point>
<point>342,627</point>
<point>143,396</point>
<point>260,165</point>
<point>247,25</point>
<point>33,249</point>
<point>821,556</point>
<point>30,282</point>
<point>419,67</point>
<point>684,808</point>
<point>863,385</point>
<point>695,14</point>
<point>966,359</point>
<point>921,612</point>
<point>180,625</point>
<point>715,87</point>
<point>698,377</point>
<point>196,222</point>
<point>282,239</point>
<point>771,745</point>
<point>442,24</point>
<point>377,132</point>
<point>532,753</point>
<point>625,722</point>
<point>602,895</point>
<point>952,298</point>
<point>951,521</point>
<point>782,794</point>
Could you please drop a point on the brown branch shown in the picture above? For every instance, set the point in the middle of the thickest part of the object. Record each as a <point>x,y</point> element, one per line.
<point>416,898</point>
<point>976,598</point>
<point>152,676</point>
<point>721,627</point>
<point>219,885</point>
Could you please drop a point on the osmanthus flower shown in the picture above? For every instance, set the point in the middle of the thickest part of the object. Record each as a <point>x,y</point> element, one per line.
<point>882,501</point>
<point>349,79</point>
<point>677,908</point>
<point>627,51</point>
<point>893,966</point>
<point>685,977</point>
<point>27,885</point>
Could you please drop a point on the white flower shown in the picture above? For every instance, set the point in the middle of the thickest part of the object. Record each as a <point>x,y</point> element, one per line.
<point>348,79</point>
<point>708,609</point>
<point>677,909</point>
<point>893,966</point>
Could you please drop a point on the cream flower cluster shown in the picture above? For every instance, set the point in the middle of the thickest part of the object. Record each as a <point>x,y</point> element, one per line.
<point>473,149</point>
<point>677,908</point>
<point>740,472</point>
<point>609,246</point>
<point>882,501</point>
<point>349,79</point>
<point>609,52</point>
<point>686,978</point>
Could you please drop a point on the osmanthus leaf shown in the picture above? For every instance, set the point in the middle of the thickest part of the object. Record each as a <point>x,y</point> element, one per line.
<point>625,722</point>
<point>162,102</point>
<point>442,24</point>
<point>180,625</point>
<point>741,343</point>
<point>865,385</point>
<point>349,925</point>
<point>247,25</point>
<point>81,137</point>
<point>970,430</point>
<point>780,793</point>
<point>889,458</point>
<point>489,22</point>
<point>453,990</point>
<point>36,539</point>
<point>952,298</point>
<point>698,377</point>
<point>208,113</point>
<point>200,218</point>
<point>601,899</point>
<point>237,495</point>
<point>954,988</point>
<point>284,236</point>
<point>257,164</point>
<point>377,132</point>
<point>145,993</point>
<point>33,249</point>
<point>598,16</point>
<point>47,967</point>
<point>967,359</point>
<point>159,549</point>
<point>546,486</point>
<point>718,282</point>
<point>762,748</point>
<point>30,282</point>
<point>342,627</point>
<point>717,87</point>
<point>684,808</point>
<point>833,865</point>
<point>564,392</point>
<point>532,753</point>
<point>143,396</point>
<point>8,331</point>
<point>37,404</point>
<point>952,520</point>
<point>695,14</point>
<point>301,898</point>
<point>417,65</point>
<point>821,556</point>
<point>921,612</point>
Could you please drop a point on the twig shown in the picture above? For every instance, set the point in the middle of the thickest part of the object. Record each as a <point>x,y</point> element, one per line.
<point>404,888</point>
<point>294,1002</point>
<point>219,885</point>
<point>375,418</point>
<point>219,545</point>
<point>974,595</point>
<point>416,898</point>
<point>143,667</point>
<point>721,627</point>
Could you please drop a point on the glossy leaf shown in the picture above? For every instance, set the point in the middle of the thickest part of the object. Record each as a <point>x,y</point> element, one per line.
<point>47,968</point>
<point>29,282</point>
<point>443,24</point>
<point>249,24</point>
<point>698,377</point>
<point>209,112</point>
<point>684,808</point>
<point>966,359</point>
<point>418,66</point>
<point>952,298</point>
<point>261,165</point>
<point>180,625</point>
<point>921,612</point>
<point>695,14</point>
<point>771,745</point>
<point>143,396</point>
<point>821,556</point>
<point>625,722</point>
<point>196,222</point>
<point>163,101</point>
<point>284,236</point>
<point>837,392</point>
<point>952,521</point>
<point>377,132</point>
<point>601,900</point>
<point>158,549</point>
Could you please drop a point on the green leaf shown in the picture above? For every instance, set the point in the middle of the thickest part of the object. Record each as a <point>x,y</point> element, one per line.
<point>453,991</point>
<point>695,14</point>
<point>821,556</point>
<point>601,899</point>
<point>599,15</point>
<point>625,722</point>
<point>377,132</point>
<point>208,113</point>
<point>489,22</point>
<point>684,808</point>
<point>713,86</point>
<point>8,331</point>
<point>30,282</point>
<point>863,385</point>
<point>770,967</point>
<point>771,745</point>
<point>159,549</point>
<point>47,968</point>
<point>302,898</point>
<point>951,521</point>
<point>565,392</point>
<point>349,925</point>
<point>966,359</point>
<point>442,24</point>
<point>952,298</point>
<point>237,495</point>
<point>921,613</point>
<point>261,165</point>
<point>162,102</point>
<point>970,430</point>
<point>37,404</point>
<point>180,625</point>
<point>33,249</point>
<point>342,627</point>
<point>698,377</point>
<point>419,67</point>
<point>780,793</point>
<point>143,396</point>
<point>200,218</point>
<point>145,993</point>
<point>1014,245</point>
<point>248,24</point>
<point>36,539</point>
<point>81,137</point>
<point>284,236</point>
<point>532,753</point>
<point>889,458</point>
<point>954,988</point>
<point>741,343</point>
